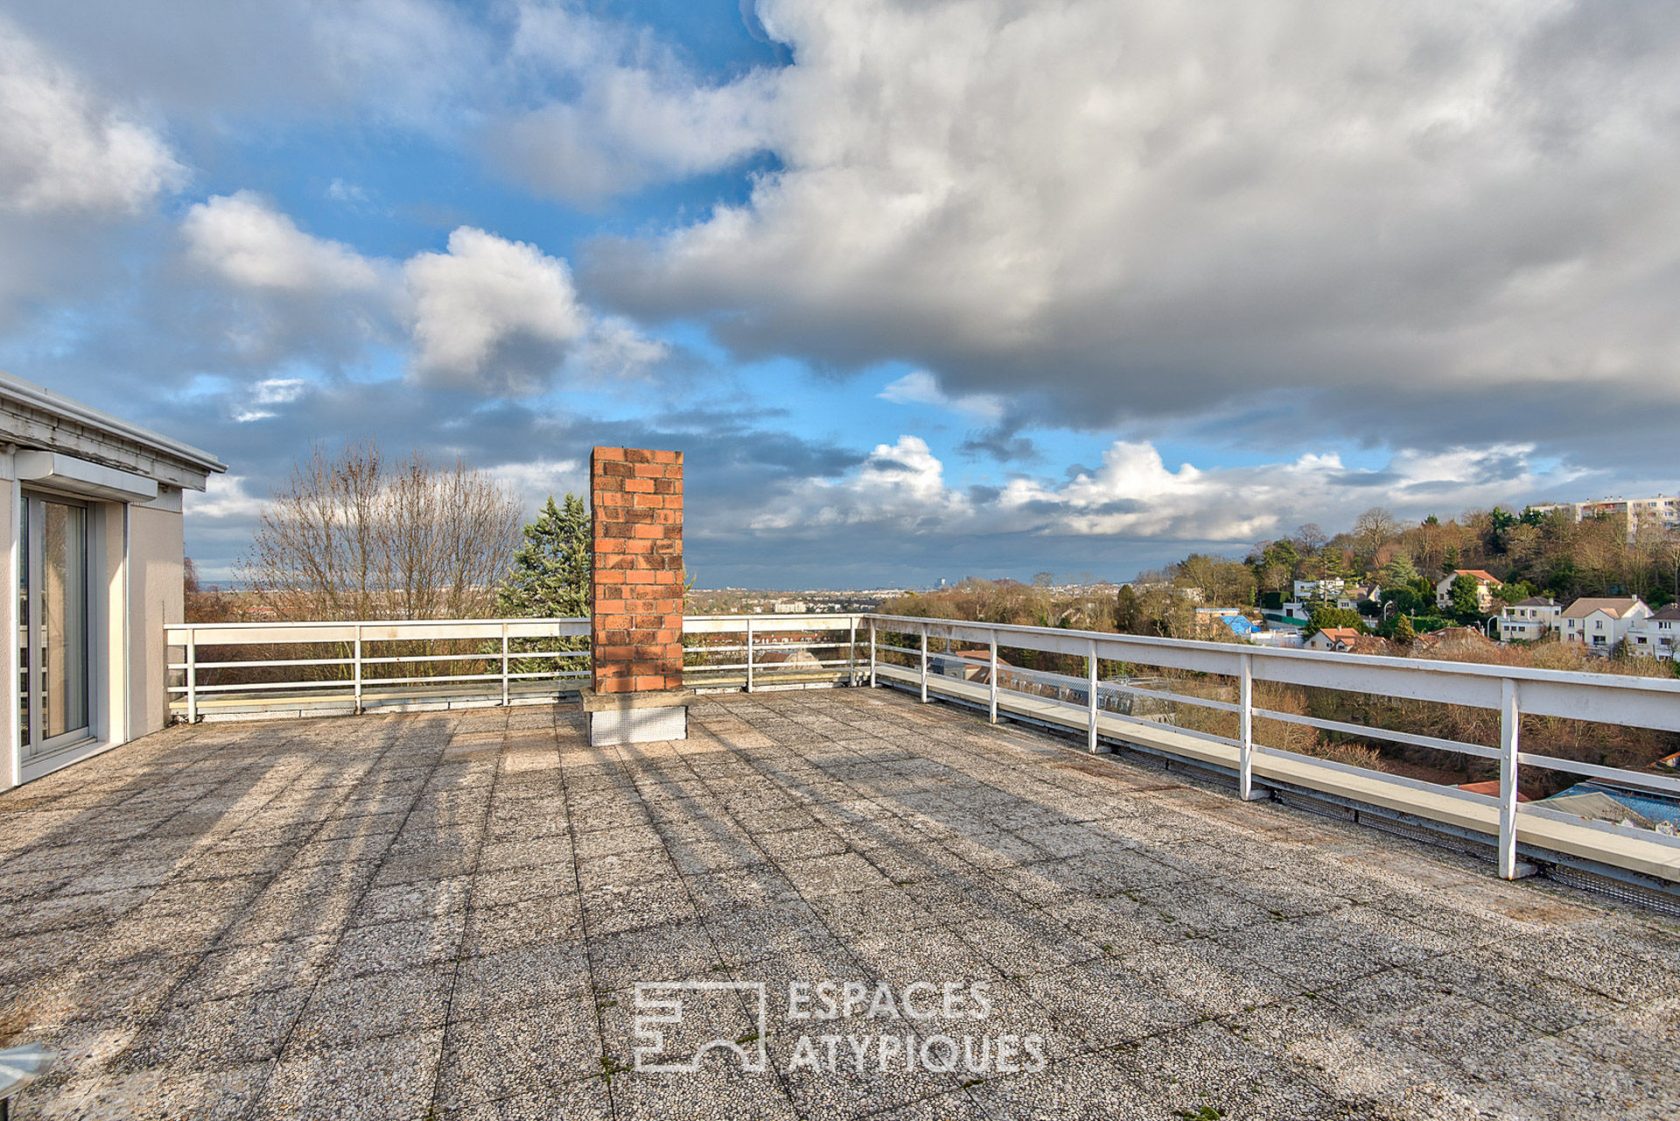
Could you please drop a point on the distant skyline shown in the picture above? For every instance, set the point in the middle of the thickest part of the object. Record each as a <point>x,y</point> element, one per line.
<point>922,289</point>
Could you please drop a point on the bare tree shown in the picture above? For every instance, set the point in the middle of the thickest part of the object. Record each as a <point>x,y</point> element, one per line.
<point>1373,529</point>
<point>352,537</point>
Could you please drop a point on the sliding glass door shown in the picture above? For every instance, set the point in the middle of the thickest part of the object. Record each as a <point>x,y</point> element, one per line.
<point>52,625</point>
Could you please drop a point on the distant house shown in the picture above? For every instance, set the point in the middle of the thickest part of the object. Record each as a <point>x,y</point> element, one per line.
<point>1340,639</point>
<point>1328,588</point>
<point>1528,620</point>
<point>969,665</point>
<point>1215,622</point>
<point>1657,635</point>
<point>1486,583</point>
<point>1619,805</point>
<point>1601,623</point>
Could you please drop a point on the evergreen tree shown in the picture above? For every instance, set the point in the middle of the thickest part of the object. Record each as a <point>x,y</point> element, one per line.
<point>1466,598</point>
<point>550,574</point>
<point>1404,632</point>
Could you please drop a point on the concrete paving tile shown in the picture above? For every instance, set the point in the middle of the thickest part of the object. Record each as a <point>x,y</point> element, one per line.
<point>588,1100</point>
<point>1074,1089</point>
<point>216,1094</point>
<point>555,918</point>
<point>412,900</point>
<point>672,952</point>
<point>554,851</point>
<point>387,1079</point>
<point>632,905</point>
<point>607,872</point>
<point>826,875</point>
<point>703,1096</point>
<point>616,840</point>
<point>398,945</point>
<point>264,967</point>
<point>1106,1004</point>
<point>532,1050</point>
<point>248,1028</point>
<point>536,974</point>
<point>345,1012</point>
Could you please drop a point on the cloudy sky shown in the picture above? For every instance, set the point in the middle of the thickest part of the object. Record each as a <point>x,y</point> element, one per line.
<point>923,289</point>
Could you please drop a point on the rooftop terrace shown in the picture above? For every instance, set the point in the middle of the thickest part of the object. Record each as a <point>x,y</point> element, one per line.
<point>446,915</point>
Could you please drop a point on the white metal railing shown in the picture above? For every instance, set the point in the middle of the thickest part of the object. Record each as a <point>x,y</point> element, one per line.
<point>357,666</point>
<point>385,664</point>
<point>1641,702</point>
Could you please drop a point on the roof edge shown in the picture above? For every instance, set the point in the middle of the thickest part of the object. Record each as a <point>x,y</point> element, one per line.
<point>43,398</point>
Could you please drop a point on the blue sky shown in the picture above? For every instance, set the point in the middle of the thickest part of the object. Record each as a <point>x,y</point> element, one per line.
<point>923,289</point>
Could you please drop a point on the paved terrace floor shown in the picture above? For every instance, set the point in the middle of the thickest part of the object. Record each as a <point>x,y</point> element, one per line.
<point>444,916</point>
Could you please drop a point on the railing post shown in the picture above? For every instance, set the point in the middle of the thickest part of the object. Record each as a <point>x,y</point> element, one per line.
<point>1245,728</point>
<point>356,667</point>
<point>749,654</point>
<point>924,662</point>
<point>192,677</point>
<point>872,653</point>
<point>506,699</point>
<point>1510,720</point>
<point>851,654</point>
<point>1091,698</point>
<point>992,690</point>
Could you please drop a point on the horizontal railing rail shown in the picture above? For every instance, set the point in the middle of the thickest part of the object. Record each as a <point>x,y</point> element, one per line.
<point>1512,692</point>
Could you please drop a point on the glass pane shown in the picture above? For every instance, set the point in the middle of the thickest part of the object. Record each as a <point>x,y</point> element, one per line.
<point>63,619</point>
<point>25,663</point>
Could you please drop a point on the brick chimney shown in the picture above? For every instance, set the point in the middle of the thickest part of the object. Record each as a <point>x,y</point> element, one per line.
<point>636,597</point>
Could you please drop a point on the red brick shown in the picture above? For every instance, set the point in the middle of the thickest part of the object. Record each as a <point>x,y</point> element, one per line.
<point>637,593</point>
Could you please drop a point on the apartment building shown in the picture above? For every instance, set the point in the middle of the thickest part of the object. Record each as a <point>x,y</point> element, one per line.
<point>1529,620</point>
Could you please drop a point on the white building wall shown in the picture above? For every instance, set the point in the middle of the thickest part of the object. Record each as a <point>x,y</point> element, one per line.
<point>134,554</point>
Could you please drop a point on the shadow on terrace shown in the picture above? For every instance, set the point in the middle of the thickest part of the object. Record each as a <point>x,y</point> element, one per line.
<point>447,915</point>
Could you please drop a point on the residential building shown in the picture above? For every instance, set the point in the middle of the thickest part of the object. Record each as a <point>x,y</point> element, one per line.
<point>1659,512</point>
<point>91,508</point>
<point>1529,620</point>
<point>1601,623</point>
<point>1328,588</point>
<point>1486,584</point>
<point>1215,622</point>
<point>1657,635</point>
<point>1340,639</point>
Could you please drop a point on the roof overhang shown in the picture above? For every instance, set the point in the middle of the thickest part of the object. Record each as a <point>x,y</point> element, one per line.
<point>32,417</point>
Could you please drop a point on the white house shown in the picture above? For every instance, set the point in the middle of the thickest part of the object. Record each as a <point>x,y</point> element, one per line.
<point>1657,635</point>
<point>90,507</point>
<point>1486,583</point>
<point>1328,588</point>
<point>1340,639</point>
<point>1601,624</point>
<point>1529,620</point>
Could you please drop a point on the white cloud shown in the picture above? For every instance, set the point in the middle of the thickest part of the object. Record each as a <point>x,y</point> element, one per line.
<point>265,395</point>
<point>491,314</point>
<point>1134,495</point>
<point>225,498</point>
<point>243,239</point>
<point>635,115</point>
<point>919,387</point>
<point>535,481</point>
<point>1135,210</point>
<point>63,149</point>
<point>900,484</point>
